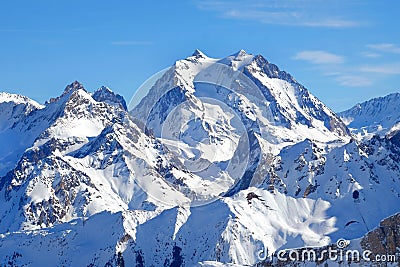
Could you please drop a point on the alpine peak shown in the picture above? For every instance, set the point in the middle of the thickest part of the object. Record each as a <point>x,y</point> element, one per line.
<point>75,86</point>
<point>240,53</point>
<point>198,54</point>
<point>105,94</point>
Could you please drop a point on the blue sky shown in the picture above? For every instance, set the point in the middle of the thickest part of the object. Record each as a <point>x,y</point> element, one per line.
<point>344,52</point>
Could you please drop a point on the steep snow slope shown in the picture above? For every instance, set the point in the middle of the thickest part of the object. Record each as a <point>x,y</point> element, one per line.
<point>232,229</point>
<point>97,241</point>
<point>360,177</point>
<point>16,112</point>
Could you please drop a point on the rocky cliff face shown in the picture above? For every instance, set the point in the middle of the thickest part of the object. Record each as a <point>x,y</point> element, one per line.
<point>385,239</point>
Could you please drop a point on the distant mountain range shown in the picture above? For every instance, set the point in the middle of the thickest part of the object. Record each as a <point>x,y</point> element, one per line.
<point>220,160</point>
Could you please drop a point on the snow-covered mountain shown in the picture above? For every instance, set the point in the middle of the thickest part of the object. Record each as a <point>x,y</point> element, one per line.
<point>222,159</point>
<point>252,87</point>
<point>213,112</point>
<point>15,113</point>
<point>375,116</point>
<point>67,172</point>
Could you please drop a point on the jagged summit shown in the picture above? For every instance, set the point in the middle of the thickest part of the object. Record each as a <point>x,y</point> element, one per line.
<point>198,54</point>
<point>75,86</point>
<point>68,91</point>
<point>103,89</point>
<point>102,94</point>
<point>105,94</point>
<point>241,53</point>
<point>238,60</point>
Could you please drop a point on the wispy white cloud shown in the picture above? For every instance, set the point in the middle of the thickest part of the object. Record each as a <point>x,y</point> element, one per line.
<point>392,68</point>
<point>370,54</point>
<point>331,23</point>
<point>311,13</point>
<point>330,64</point>
<point>319,57</point>
<point>132,43</point>
<point>385,47</point>
<point>350,77</point>
<point>353,80</point>
<point>287,18</point>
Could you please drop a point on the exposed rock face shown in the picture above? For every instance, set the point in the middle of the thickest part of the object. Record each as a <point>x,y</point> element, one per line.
<point>384,240</point>
<point>104,94</point>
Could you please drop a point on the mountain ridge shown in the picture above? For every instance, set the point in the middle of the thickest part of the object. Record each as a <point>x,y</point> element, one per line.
<point>375,116</point>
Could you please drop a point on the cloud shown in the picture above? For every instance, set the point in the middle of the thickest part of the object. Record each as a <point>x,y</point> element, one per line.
<point>385,47</point>
<point>393,68</point>
<point>350,77</point>
<point>353,81</point>
<point>331,23</point>
<point>287,18</point>
<point>311,13</point>
<point>370,54</point>
<point>132,43</point>
<point>319,57</point>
